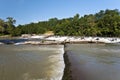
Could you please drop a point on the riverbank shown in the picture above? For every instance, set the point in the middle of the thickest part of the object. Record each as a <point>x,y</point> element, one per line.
<point>73,39</point>
<point>61,39</point>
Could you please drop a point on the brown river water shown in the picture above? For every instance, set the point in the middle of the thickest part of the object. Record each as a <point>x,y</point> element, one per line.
<point>94,61</point>
<point>31,62</point>
<point>35,62</point>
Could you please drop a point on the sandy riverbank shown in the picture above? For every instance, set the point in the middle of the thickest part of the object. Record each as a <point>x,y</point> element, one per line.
<point>71,39</point>
<point>64,39</point>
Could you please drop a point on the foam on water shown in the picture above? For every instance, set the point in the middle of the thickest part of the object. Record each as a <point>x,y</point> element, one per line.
<point>58,66</point>
<point>56,69</point>
<point>31,62</point>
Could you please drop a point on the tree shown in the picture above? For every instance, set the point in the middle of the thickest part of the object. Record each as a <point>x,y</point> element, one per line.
<point>10,24</point>
<point>2,28</point>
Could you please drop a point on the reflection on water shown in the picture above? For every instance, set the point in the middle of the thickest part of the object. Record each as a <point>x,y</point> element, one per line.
<point>94,61</point>
<point>29,62</point>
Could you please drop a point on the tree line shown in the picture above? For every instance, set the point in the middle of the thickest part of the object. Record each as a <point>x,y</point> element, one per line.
<point>104,23</point>
<point>7,27</point>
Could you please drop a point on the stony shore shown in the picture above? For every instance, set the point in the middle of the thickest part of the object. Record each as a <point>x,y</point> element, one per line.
<point>69,39</point>
<point>65,39</point>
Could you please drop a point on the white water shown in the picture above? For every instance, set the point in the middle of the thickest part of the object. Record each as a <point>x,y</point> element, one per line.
<point>30,62</point>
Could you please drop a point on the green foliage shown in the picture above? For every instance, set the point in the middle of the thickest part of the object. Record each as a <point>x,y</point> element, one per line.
<point>104,23</point>
<point>7,27</point>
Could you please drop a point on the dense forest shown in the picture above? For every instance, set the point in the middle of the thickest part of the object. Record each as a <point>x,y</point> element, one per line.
<point>104,23</point>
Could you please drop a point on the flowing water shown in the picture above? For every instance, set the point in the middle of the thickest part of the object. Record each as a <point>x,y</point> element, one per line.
<point>94,61</point>
<point>31,62</point>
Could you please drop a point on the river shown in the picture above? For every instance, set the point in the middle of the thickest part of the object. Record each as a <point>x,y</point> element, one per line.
<point>45,62</point>
<point>31,62</point>
<point>94,61</point>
